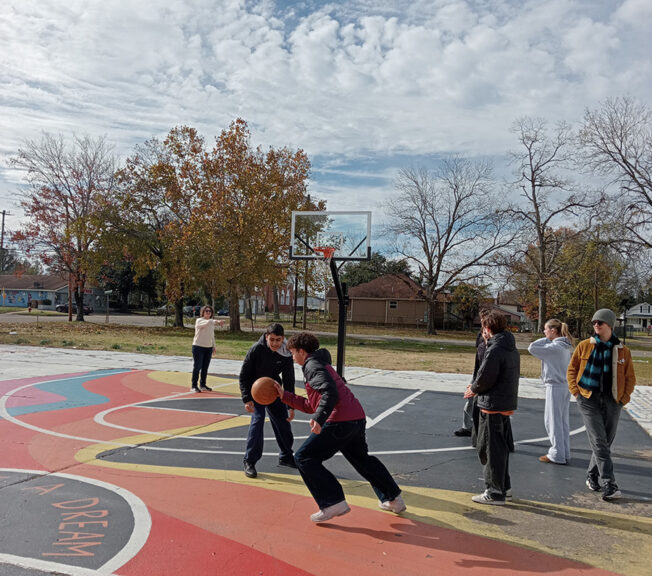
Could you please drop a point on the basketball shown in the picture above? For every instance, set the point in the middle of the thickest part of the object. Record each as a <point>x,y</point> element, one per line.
<point>264,391</point>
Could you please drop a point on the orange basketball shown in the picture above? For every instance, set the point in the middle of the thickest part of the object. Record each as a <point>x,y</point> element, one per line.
<point>264,391</point>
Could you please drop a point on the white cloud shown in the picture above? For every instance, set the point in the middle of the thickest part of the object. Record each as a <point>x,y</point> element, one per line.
<point>355,79</point>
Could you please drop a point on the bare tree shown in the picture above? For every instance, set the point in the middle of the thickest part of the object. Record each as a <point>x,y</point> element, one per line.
<point>617,142</point>
<point>445,223</point>
<point>67,187</point>
<point>541,165</point>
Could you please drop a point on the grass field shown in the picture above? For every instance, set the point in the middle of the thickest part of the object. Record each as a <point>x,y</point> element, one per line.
<point>436,355</point>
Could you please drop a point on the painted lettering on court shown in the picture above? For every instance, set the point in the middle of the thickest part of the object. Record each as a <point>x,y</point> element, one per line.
<point>42,490</point>
<point>76,517</point>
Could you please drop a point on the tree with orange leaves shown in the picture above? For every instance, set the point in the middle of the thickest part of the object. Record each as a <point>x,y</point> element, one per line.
<point>245,210</point>
<point>217,220</point>
<point>67,184</point>
<point>158,193</point>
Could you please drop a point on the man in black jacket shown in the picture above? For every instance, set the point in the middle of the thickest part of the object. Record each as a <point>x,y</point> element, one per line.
<point>496,387</point>
<point>268,357</point>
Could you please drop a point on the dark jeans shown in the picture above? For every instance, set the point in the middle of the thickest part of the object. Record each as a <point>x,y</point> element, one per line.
<point>201,358</point>
<point>278,417</point>
<point>350,439</point>
<point>494,434</point>
<point>600,413</point>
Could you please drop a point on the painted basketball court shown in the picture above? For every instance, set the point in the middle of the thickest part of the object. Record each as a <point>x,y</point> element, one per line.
<point>110,466</point>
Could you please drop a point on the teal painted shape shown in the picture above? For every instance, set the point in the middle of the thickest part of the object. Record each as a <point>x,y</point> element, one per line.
<point>72,389</point>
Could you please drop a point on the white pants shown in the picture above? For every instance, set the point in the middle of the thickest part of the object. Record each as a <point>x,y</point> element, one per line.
<point>556,419</point>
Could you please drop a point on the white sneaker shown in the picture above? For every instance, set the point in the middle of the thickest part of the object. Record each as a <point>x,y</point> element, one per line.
<point>329,512</point>
<point>397,505</point>
<point>487,498</point>
<point>508,495</point>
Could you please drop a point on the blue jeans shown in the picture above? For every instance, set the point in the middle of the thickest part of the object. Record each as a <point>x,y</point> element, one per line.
<point>350,439</point>
<point>600,413</point>
<point>201,358</point>
<point>278,417</point>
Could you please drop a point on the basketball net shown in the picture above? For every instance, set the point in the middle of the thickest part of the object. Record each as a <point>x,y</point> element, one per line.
<point>326,252</point>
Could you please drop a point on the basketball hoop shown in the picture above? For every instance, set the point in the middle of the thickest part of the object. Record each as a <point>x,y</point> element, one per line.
<point>325,251</point>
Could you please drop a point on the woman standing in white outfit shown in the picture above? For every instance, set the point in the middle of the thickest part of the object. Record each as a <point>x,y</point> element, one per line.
<point>203,347</point>
<point>555,352</point>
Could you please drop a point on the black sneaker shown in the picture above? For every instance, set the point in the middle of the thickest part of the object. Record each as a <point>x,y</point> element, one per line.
<point>593,484</point>
<point>287,462</point>
<point>205,388</point>
<point>611,491</point>
<point>250,470</point>
<point>462,432</point>
<point>195,389</point>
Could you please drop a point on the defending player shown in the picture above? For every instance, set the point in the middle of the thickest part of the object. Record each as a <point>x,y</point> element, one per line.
<point>268,357</point>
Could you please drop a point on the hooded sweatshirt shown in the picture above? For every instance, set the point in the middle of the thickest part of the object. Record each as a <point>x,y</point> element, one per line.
<point>328,396</point>
<point>261,361</point>
<point>555,356</point>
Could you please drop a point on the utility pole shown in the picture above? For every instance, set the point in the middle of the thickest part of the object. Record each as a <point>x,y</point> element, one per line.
<point>2,242</point>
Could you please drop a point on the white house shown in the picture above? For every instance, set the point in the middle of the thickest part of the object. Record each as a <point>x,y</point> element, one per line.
<point>639,316</point>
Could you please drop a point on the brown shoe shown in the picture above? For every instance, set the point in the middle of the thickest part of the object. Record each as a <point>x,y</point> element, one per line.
<point>547,460</point>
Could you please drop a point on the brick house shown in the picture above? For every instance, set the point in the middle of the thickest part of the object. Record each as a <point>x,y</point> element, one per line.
<point>392,299</point>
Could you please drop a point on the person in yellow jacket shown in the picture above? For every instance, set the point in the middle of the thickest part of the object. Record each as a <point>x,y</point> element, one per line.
<point>601,378</point>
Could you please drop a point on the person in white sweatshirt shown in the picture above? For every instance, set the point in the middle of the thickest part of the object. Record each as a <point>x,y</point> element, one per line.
<point>555,352</point>
<point>203,347</point>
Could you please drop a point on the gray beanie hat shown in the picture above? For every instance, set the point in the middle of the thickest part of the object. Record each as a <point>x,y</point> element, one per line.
<point>607,316</point>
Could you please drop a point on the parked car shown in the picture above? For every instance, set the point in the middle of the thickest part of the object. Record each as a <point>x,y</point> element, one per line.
<point>192,310</point>
<point>222,312</point>
<point>166,309</point>
<point>64,308</point>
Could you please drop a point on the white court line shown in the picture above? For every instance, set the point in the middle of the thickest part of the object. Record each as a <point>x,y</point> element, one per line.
<point>100,418</point>
<point>139,535</point>
<point>7,416</point>
<point>373,421</point>
<point>50,567</point>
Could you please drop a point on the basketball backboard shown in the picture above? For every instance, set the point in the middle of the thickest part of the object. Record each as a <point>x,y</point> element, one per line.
<point>349,233</point>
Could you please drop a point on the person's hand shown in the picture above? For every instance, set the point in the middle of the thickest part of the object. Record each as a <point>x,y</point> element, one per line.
<point>467,392</point>
<point>214,351</point>
<point>220,322</point>
<point>315,427</point>
<point>249,406</point>
<point>279,389</point>
<point>290,415</point>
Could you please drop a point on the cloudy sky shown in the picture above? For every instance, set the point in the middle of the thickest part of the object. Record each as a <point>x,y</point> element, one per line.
<point>364,86</point>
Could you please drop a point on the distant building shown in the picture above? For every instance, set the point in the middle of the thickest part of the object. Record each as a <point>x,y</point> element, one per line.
<point>393,299</point>
<point>37,290</point>
<point>43,291</point>
<point>639,317</point>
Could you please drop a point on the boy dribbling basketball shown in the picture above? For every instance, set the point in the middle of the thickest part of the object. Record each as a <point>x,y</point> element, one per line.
<point>338,424</point>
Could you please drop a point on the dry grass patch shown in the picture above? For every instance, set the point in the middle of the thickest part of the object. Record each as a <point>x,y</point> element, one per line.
<point>434,356</point>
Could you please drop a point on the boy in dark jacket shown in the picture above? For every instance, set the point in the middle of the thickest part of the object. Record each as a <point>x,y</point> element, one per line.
<point>268,357</point>
<point>337,425</point>
<point>496,387</point>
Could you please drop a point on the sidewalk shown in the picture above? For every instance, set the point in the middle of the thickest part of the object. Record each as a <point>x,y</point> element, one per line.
<point>27,361</point>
